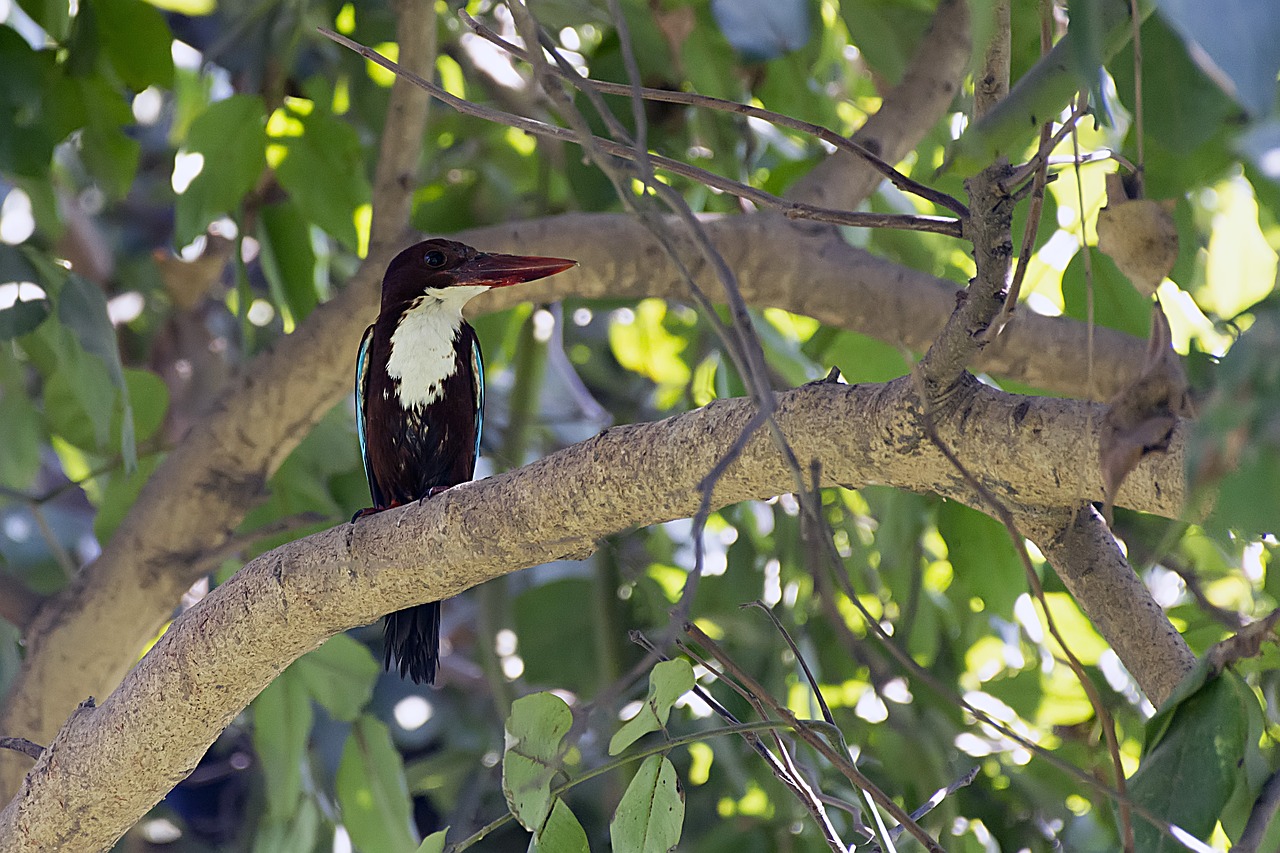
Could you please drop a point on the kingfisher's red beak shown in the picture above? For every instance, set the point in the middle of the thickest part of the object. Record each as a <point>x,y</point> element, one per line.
<point>501,270</point>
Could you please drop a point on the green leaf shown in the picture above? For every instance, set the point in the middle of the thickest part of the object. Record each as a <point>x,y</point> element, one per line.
<point>22,317</point>
<point>886,33</point>
<point>668,681</point>
<point>288,259</point>
<point>433,843</point>
<point>1182,107</point>
<point>53,16</point>
<point>986,564</point>
<point>1088,32</point>
<point>1116,302</point>
<point>1247,497</point>
<point>119,493</point>
<point>149,397</point>
<point>1238,39</point>
<point>651,813</point>
<point>372,794</point>
<point>111,157</point>
<point>23,434</point>
<point>544,615</point>
<point>323,170</point>
<point>83,309</point>
<point>860,358</point>
<point>298,833</point>
<point>339,675</point>
<point>137,40</point>
<point>1194,760</point>
<point>231,137</point>
<point>282,720</point>
<point>26,142</point>
<point>562,833</point>
<point>535,737</point>
<point>78,399</point>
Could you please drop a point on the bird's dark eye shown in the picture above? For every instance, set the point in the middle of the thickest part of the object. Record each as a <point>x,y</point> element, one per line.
<point>434,258</point>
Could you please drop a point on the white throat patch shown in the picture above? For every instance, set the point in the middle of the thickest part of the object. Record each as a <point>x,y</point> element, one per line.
<point>422,356</point>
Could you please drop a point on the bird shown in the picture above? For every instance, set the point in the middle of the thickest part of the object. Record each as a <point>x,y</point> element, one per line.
<point>420,400</point>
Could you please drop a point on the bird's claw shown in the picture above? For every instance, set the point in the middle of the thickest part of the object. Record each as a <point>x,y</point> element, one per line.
<point>432,492</point>
<point>363,513</point>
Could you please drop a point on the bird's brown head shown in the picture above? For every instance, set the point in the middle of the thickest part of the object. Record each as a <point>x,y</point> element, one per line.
<point>433,267</point>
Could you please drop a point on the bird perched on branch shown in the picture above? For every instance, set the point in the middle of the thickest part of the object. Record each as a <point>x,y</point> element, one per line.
<point>420,395</point>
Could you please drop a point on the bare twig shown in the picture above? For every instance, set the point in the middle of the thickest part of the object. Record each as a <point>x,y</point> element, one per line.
<point>1036,206</point>
<point>1138,120</point>
<point>791,209</point>
<point>1260,817</point>
<point>783,769</point>
<point>897,178</point>
<point>1026,170</point>
<point>809,734</point>
<point>21,744</point>
<point>795,650</point>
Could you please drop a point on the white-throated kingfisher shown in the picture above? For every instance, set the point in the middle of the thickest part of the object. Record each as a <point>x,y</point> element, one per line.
<point>420,399</point>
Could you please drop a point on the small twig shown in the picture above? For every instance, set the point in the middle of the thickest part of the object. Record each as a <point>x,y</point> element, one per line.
<point>785,771</point>
<point>1260,816</point>
<point>791,209</point>
<point>1138,122</point>
<point>795,650</point>
<point>1026,170</point>
<point>897,178</point>
<point>1191,579</point>
<point>1035,209</point>
<point>21,744</point>
<point>807,732</point>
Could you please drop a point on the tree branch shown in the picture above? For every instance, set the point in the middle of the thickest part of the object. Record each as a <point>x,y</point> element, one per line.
<point>1085,555</point>
<point>109,765</point>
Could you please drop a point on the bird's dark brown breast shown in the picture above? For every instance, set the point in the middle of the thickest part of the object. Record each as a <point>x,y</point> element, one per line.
<point>412,450</point>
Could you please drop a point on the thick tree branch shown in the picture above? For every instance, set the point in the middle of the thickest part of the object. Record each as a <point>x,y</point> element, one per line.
<point>83,641</point>
<point>1085,555</point>
<point>965,333</point>
<point>110,764</point>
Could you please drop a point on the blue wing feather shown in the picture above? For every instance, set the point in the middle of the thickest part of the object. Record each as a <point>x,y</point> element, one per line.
<point>477,370</point>
<point>362,402</point>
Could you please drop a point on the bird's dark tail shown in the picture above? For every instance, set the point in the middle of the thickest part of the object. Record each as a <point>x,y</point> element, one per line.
<point>411,639</point>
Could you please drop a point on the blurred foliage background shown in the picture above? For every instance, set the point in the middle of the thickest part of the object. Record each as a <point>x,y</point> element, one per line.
<point>205,169</point>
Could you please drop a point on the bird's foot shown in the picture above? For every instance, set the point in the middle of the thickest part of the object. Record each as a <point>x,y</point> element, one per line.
<point>373,510</point>
<point>432,492</point>
<point>364,513</point>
